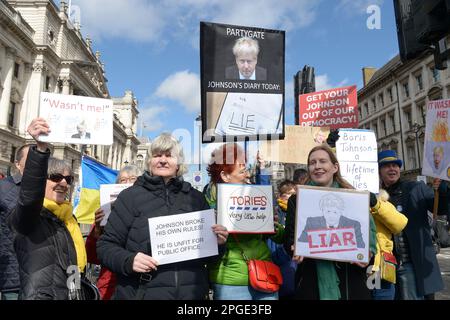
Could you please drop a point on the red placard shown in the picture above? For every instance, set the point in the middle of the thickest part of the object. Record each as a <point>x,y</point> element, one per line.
<point>334,108</point>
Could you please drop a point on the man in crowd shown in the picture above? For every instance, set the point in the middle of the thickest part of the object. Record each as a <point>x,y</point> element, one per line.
<point>418,273</point>
<point>9,194</point>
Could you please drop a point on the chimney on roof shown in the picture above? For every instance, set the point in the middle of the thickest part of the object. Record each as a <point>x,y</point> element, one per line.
<point>368,73</point>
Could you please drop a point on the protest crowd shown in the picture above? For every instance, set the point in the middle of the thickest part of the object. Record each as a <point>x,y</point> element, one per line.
<point>45,257</point>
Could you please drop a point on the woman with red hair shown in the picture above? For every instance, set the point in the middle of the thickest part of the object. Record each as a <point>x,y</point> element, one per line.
<point>229,276</point>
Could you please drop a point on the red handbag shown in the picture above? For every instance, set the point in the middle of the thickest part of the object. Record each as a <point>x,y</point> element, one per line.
<point>263,275</point>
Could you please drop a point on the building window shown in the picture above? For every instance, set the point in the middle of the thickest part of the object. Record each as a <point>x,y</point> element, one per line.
<point>383,127</point>
<point>406,90</point>
<point>381,98</point>
<point>435,74</point>
<point>408,118</point>
<point>423,112</point>
<point>366,109</point>
<point>374,103</point>
<point>375,129</point>
<point>411,157</point>
<point>13,154</point>
<point>11,114</point>
<point>392,121</point>
<point>391,97</point>
<point>419,82</point>
<point>16,70</point>
<point>47,83</point>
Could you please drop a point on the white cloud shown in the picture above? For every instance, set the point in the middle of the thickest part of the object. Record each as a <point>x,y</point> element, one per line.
<point>135,20</point>
<point>148,21</point>
<point>323,83</point>
<point>183,87</point>
<point>150,118</point>
<point>354,7</point>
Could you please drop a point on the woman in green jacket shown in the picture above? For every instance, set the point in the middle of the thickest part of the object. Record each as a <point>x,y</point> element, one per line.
<point>229,276</point>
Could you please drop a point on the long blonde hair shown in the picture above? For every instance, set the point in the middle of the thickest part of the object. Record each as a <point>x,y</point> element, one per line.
<point>337,176</point>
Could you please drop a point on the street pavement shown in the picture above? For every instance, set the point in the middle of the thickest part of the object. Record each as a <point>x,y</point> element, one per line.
<point>444,264</point>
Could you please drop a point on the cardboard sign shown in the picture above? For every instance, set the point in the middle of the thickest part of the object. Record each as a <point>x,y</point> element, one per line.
<point>77,119</point>
<point>242,82</point>
<point>245,208</point>
<point>332,224</point>
<point>334,108</point>
<point>182,237</point>
<point>296,145</point>
<point>357,153</point>
<point>436,157</point>
<point>109,194</point>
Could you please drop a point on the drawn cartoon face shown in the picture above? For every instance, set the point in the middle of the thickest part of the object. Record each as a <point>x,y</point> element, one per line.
<point>332,216</point>
<point>437,159</point>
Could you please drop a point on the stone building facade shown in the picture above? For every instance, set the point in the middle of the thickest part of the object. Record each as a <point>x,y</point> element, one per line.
<point>393,102</point>
<point>41,50</point>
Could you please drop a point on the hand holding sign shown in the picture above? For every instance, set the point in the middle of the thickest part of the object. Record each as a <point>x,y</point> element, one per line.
<point>144,263</point>
<point>221,233</point>
<point>37,127</point>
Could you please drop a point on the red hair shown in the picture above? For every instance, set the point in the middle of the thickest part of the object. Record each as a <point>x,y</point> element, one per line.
<point>224,159</point>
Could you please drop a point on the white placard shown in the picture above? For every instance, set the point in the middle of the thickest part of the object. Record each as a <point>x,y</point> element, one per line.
<point>332,224</point>
<point>436,155</point>
<point>77,119</point>
<point>250,114</point>
<point>357,153</point>
<point>109,194</point>
<point>182,237</point>
<point>245,208</point>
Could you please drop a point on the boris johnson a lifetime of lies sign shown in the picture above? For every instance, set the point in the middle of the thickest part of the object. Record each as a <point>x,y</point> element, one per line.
<point>245,208</point>
<point>334,108</point>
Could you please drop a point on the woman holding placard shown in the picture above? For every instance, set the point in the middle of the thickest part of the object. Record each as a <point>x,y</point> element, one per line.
<point>323,279</point>
<point>125,247</point>
<point>229,276</point>
<point>106,282</point>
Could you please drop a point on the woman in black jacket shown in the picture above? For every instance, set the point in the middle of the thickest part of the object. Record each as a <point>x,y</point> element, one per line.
<point>49,244</point>
<point>125,247</point>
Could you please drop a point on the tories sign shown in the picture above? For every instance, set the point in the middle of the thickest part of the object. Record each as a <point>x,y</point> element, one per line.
<point>245,208</point>
<point>334,108</point>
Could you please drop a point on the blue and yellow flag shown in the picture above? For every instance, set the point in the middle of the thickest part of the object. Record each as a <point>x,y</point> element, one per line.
<point>92,175</point>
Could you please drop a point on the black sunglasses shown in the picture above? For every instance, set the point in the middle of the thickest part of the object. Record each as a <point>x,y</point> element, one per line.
<point>57,177</point>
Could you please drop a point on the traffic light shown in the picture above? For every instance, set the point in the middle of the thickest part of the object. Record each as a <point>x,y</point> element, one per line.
<point>304,82</point>
<point>409,45</point>
<point>421,24</point>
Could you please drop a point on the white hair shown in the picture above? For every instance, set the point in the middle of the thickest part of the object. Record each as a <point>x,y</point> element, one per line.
<point>245,45</point>
<point>167,143</point>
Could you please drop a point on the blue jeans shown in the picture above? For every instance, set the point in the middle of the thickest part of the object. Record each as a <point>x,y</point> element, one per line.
<point>406,288</point>
<point>225,292</point>
<point>386,292</point>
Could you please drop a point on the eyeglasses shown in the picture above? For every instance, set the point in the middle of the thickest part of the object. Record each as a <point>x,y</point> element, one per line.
<point>129,179</point>
<point>57,177</point>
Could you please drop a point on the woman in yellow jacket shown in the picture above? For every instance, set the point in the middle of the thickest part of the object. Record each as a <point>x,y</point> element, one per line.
<point>389,222</point>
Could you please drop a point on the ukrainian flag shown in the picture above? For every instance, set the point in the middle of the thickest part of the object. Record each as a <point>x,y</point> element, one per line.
<point>92,175</point>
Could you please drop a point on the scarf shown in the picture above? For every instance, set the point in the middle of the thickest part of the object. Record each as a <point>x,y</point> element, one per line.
<point>282,204</point>
<point>327,278</point>
<point>64,213</point>
<point>211,195</point>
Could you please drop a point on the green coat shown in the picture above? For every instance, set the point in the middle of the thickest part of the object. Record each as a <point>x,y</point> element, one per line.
<point>232,268</point>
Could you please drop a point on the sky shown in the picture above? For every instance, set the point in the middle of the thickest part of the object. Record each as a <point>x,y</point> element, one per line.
<point>152,47</point>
